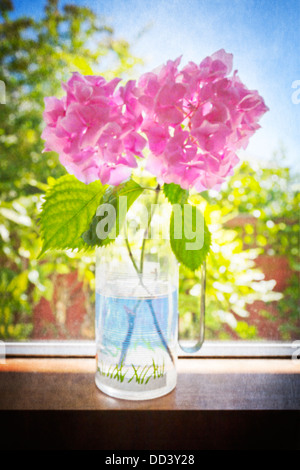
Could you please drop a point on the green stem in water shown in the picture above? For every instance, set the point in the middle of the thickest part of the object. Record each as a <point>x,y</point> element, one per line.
<point>130,253</point>
<point>145,237</point>
<point>140,275</point>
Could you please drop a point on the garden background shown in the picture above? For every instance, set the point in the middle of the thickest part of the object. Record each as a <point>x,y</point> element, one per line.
<point>253,267</point>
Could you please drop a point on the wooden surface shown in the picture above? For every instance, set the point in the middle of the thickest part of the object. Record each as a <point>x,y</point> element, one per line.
<point>230,404</point>
<point>203,384</point>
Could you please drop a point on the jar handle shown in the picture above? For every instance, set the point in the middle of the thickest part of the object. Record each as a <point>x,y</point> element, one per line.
<point>200,339</point>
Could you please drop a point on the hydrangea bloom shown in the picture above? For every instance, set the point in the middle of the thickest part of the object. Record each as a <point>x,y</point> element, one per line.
<point>195,119</point>
<point>92,133</point>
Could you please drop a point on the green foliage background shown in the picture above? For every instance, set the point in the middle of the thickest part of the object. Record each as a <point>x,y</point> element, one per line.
<point>255,214</point>
<point>35,56</point>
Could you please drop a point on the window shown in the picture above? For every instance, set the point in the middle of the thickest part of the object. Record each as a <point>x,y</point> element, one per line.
<point>252,289</point>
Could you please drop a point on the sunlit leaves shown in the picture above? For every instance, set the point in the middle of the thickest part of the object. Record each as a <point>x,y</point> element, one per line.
<point>66,213</point>
<point>189,236</point>
<point>175,194</point>
<point>119,198</point>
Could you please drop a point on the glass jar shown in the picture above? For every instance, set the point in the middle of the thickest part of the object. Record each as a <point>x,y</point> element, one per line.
<point>137,305</point>
<point>137,278</point>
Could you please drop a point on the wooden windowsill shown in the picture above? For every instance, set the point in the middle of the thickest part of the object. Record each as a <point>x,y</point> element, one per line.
<point>203,384</point>
<point>213,397</point>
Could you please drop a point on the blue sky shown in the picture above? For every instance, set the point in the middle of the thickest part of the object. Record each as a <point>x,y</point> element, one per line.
<point>263,35</point>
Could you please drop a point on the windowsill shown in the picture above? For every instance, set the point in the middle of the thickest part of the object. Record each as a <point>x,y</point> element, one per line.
<point>209,349</point>
<point>203,384</point>
<point>208,391</point>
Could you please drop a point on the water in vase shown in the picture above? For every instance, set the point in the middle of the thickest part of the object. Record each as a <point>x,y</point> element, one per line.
<point>136,337</point>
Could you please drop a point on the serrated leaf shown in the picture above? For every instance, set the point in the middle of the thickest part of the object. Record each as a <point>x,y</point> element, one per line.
<point>175,194</point>
<point>67,212</point>
<point>189,235</point>
<point>131,190</point>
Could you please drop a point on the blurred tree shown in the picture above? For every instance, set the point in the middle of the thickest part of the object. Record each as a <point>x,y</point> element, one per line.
<point>35,56</point>
<point>255,223</point>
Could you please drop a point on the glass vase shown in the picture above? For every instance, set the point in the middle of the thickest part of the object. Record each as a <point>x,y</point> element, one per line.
<point>137,305</point>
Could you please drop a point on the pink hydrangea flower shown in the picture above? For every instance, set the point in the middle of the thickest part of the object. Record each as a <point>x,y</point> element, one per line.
<point>94,129</point>
<point>196,119</point>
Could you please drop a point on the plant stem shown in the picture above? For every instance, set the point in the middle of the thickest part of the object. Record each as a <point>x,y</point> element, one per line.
<point>157,189</point>
<point>130,253</point>
<point>156,324</point>
<point>126,342</point>
<point>139,272</point>
<point>160,333</point>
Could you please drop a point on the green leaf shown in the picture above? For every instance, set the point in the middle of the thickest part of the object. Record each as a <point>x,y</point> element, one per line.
<point>67,211</point>
<point>189,236</point>
<point>129,190</point>
<point>175,193</point>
